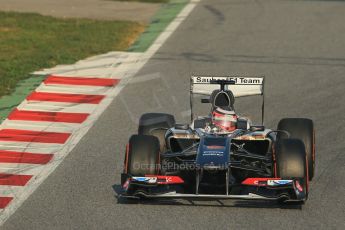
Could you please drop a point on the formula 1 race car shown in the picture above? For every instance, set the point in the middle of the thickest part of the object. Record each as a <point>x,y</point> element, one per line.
<point>220,155</point>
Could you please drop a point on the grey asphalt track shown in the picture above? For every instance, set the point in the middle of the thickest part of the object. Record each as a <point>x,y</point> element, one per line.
<point>298,45</point>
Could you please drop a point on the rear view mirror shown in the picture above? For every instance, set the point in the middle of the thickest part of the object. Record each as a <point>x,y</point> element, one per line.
<point>205,100</point>
<point>182,126</point>
<point>201,123</point>
<point>255,128</point>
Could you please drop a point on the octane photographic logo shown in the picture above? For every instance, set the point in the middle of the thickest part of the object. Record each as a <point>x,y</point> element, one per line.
<point>146,166</point>
<point>172,166</point>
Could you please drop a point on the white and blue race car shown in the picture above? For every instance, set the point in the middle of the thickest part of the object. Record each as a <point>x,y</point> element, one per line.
<point>220,155</point>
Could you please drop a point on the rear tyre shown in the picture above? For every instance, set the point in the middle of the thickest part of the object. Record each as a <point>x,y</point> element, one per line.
<point>303,129</point>
<point>156,124</point>
<point>291,161</point>
<point>142,155</point>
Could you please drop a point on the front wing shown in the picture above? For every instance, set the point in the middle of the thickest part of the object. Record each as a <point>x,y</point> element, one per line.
<point>169,187</point>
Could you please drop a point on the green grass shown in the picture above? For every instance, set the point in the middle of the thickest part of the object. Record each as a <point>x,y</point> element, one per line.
<point>29,42</point>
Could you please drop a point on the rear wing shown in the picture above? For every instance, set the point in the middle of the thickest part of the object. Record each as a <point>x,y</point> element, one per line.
<point>240,87</point>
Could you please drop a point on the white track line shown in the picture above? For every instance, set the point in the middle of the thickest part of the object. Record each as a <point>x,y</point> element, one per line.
<point>125,69</point>
<point>11,191</point>
<point>21,169</point>
<point>57,107</point>
<point>92,90</point>
<point>58,127</point>
<point>31,147</point>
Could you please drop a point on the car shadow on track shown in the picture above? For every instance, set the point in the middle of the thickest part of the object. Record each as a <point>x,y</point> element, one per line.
<point>205,203</point>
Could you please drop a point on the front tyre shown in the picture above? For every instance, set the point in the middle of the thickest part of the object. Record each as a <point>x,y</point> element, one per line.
<point>303,129</point>
<point>291,162</point>
<point>142,156</point>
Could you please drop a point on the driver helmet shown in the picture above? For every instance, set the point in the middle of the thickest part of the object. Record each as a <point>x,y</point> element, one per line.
<point>224,119</point>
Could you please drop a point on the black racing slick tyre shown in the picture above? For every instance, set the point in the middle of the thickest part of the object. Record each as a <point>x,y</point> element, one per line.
<point>142,155</point>
<point>156,124</point>
<point>303,129</point>
<point>291,161</point>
